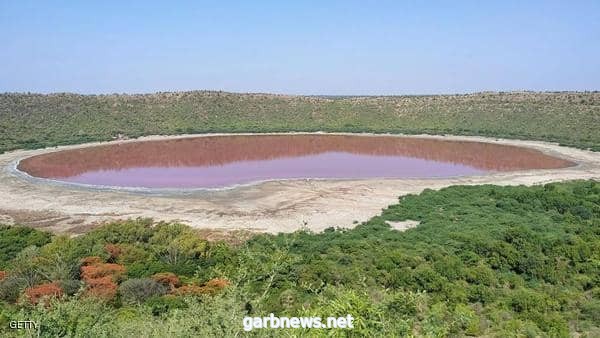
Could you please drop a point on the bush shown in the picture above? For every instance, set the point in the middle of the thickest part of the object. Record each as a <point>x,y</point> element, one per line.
<point>217,284</point>
<point>91,260</point>
<point>13,239</point>
<point>10,288</point>
<point>99,270</point>
<point>591,310</point>
<point>103,288</point>
<point>101,278</point>
<point>138,290</point>
<point>189,290</point>
<point>132,254</point>
<point>43,292</point>
<point>211,287</point>
<point>167,279</point>
<point>163,304</point>
<point>582,212</point>
<point>70,286</point>
<point>113,250</point>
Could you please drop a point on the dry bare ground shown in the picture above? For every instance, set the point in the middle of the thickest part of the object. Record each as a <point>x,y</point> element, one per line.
<point>277,206</point>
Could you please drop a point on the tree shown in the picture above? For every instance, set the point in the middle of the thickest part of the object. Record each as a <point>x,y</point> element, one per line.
<point>43,292</point>
<point>167,279</point>
<point>101,278</point>
<point>138,290</point>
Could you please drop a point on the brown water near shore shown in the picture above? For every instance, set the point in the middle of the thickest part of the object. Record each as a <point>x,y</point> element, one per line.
<point>222,161</point>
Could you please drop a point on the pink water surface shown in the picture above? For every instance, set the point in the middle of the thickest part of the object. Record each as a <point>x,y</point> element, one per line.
<point>224,161</point>
<point>332,165</point>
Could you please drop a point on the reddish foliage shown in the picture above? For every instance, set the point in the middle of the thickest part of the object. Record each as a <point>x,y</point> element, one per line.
<point>104,288</point>
<point>168,279</point>
<point>92,260</point>
<point>2,274</point>
<point>211,287</point>
<point>113,250</point>
<point>101,278</point>
<point>217,283</point>
<point>116,271</point>
<point>43,292</point>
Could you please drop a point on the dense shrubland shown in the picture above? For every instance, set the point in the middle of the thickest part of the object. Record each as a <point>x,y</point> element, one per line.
<point>485,260</point>
<point>34,121</point>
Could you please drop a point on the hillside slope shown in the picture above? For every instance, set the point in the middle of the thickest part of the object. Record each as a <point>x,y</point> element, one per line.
<point>35,120</point>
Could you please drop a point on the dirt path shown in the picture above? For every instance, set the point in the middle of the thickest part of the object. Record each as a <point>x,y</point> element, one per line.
<point>279,206</point>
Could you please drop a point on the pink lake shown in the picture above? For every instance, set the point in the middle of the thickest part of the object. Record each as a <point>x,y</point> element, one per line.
<point>225,161</point>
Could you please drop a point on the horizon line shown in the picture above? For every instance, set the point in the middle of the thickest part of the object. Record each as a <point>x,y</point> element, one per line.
<point>216,91</point>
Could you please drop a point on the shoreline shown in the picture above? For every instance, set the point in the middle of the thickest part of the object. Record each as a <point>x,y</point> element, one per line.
<point>268,206</point>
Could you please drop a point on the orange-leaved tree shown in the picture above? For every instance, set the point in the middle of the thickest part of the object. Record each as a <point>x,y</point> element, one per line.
<point>101,278</point>
<point>43,292</point>
<point>114,250</point>
<point>167,279</point>
<point>211,287</point>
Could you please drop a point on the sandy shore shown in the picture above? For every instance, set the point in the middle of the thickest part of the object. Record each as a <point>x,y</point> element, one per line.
<point>277,206</point>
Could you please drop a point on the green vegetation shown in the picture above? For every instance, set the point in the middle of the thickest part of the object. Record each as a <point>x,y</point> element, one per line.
<point>34,121</point>
<point>13,240</point>
<point>485,260</point>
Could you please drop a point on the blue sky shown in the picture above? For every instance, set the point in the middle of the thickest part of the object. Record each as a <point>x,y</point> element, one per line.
<point>301,47</point>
